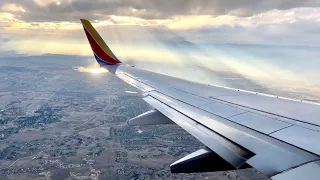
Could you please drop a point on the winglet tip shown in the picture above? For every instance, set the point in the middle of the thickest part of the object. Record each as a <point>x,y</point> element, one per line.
<point>102,52</point>
<point>84,20</point>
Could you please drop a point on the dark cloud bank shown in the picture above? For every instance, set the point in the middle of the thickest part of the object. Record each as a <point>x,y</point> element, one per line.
<point>149,9</point>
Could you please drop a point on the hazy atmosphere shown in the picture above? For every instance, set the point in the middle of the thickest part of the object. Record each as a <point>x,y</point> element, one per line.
<point>273,43</point>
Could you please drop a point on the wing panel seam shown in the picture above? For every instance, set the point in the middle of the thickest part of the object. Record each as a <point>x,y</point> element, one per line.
<point>264,112</point>
<point>281,129</point>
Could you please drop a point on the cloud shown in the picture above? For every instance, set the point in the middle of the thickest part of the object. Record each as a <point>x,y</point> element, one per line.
<point>44,3</point>
<point>256,40</point>
<point>216,21</point>
<point>71,10</point>
<point>12,7</point>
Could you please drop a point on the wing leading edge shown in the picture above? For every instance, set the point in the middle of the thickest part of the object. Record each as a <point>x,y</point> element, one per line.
<point>239,128</point>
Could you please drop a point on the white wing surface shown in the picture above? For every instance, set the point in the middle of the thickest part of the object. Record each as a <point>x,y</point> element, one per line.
<point>278,136</point>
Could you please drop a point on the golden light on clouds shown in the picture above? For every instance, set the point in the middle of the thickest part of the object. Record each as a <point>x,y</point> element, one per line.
<point>12,7</point>
<point>12,25</point>
<point>132,21</point>
<point>8,21</point>
<point>41,45</point>
<point>47,2</point>
<point>177,22</point>
<point>187,22</point>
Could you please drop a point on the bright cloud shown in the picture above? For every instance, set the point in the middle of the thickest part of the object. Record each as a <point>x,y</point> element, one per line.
<point>12,7</point>
<point>47,2</point>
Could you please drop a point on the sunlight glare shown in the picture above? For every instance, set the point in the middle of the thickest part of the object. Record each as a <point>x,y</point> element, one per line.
<point>98,70</point>
<point>91,69</point>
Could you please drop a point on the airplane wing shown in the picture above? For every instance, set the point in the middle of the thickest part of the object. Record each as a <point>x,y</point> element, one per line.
<point>277,136</point>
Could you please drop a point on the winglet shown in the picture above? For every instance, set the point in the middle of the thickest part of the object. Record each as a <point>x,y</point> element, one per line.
<point>101,51</point>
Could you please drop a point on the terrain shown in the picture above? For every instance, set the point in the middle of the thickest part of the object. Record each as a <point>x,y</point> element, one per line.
<point>58,123</point>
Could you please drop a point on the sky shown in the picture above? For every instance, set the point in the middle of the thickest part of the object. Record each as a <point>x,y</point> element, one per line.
<point>274,42</point>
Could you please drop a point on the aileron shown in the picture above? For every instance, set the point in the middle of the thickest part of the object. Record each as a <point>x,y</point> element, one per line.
<point>300,137</point>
